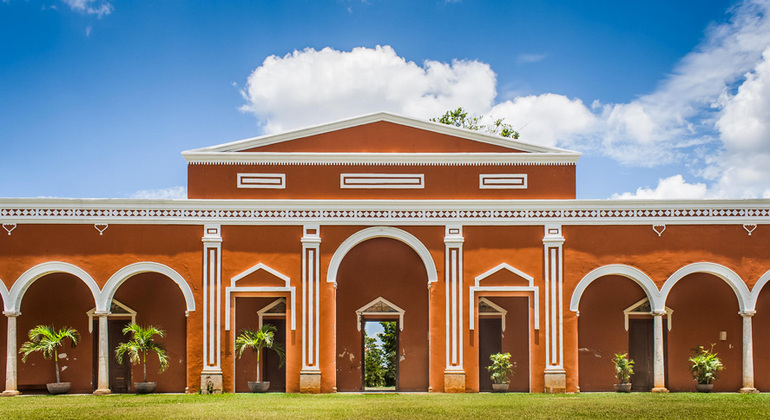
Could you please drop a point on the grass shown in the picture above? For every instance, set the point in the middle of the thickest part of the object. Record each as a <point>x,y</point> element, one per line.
<point>390,406</point>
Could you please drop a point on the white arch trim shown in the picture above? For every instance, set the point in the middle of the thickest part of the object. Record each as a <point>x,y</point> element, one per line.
<point>381,232</point>
<point>21,285</point>
<point>627,271</point>
<point>130,270</point>
<point>4,296</point>
<point>757,289</point>
<point>732,279</point>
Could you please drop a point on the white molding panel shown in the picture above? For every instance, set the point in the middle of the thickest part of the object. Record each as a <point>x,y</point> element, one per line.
<point>503,181</point>
<point>257,180</point>
<point>380,181</point>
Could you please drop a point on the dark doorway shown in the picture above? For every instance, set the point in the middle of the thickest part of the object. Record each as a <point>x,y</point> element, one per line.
<point>379,342</point>
<point>119,373</point>
<point>490,342</point>
<point>273,370</point>
<point>641,349</point>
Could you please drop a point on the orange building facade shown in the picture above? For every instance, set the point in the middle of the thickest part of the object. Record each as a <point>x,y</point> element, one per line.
<point>472,243</point>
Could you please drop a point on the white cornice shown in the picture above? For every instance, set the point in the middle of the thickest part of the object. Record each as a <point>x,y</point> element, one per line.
<point>496,140</point>
<point>384,212</point>
<point>382,159</point>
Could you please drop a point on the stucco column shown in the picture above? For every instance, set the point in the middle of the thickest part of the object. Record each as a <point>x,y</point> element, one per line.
<point>211,375</point>
<point>310,375</point>
<point>554,377</point>
<point>11,350</point>
<point>659,365</point>
<point>103,373</point>
<point>454,374</point>
<point>748,354</point>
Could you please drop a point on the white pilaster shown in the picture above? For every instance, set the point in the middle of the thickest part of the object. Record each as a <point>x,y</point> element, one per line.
<point>310,375</point>
<point>103,375</point>
<point>453,241</point>
<point>659,365</point>
<point>555,376</point>
<point>11,350</point>
<point>454,374</point>
<point>748,354</point>
<point>211,376</point>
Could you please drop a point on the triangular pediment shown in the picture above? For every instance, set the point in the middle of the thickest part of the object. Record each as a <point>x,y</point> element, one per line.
<point>378,133</point>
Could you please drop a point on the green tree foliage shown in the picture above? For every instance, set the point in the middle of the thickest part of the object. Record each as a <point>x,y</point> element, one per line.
<point>47,340</point>
<point>459,118</point>
<point>388,339</point>
<point>256,341</point>
<point>374,363</point>
<point>624,367</point>
<point>141,343</point>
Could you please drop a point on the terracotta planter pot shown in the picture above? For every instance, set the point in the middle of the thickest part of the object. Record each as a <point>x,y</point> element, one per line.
<point>145,387</point>
<point>704,387</point>
<point>500,387</point>
<point>58,387</point>
<point>623,387</point>
<point>259,386</point>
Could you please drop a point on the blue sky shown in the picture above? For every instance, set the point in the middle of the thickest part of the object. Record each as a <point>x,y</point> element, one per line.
<point>665,99</point>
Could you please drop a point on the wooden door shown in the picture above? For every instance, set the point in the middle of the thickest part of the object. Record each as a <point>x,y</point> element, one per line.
<point>490,342</point>
<point>120,373</point>
<point>273,370</point>
<point>641,343</point>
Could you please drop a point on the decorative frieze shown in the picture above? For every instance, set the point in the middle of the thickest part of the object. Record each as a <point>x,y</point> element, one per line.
<point>382,181</point>
<point>12,211</point>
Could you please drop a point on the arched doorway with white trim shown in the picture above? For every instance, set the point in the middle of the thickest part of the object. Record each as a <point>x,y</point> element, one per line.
<point>707,299</point>
<point>152,294</point>
<point>3,332</point>
<point>393,266</point>
<point>57,294</point>
<point>601,300</point>
<point>761,332</point>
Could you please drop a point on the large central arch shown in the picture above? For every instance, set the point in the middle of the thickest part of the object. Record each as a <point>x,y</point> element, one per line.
<point>627,271</point>
<point>382,232</point>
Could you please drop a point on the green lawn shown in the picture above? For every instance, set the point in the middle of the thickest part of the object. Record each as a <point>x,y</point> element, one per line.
<point>389,406</point>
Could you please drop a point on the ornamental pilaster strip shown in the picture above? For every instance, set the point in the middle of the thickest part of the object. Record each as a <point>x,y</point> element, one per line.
<point>311,243</point>
<point>212,299</point>
<point>453,241</point>
<point>554,311</point>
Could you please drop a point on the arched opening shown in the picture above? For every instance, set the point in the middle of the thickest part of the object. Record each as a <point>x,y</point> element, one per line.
<point>251,312</point>
<point>601,329</point>
<point>157,301</point>
<point>761,338</point>
<point>57,299</point>
<point>706,313</point>
<point>390,269</point>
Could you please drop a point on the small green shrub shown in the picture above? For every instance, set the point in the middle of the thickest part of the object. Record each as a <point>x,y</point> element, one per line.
<point>705,365</point>
<point>501,367</point>
<point>624,367</point>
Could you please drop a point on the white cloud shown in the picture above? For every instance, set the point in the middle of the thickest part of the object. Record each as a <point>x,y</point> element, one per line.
<point>310,87</point>
<point>547,119</point>
<point>90,7</point>
<point>170,193</point>
<point>673,187</point>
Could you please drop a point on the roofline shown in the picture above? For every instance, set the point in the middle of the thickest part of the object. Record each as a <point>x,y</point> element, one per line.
<point>254,142</point>
<point>387,159</point>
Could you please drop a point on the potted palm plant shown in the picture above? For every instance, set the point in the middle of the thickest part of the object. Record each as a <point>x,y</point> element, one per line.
<point>47,340</point>
<point>141,343</point>
<point>705,368</point>
<point>501,369</point>
<point>256,341</point>
<point>624,368</point>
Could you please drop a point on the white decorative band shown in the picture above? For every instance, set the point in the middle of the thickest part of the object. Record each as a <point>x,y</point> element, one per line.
<point>275,181</point>
<point>503,181</point>
<point>369,181</point>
